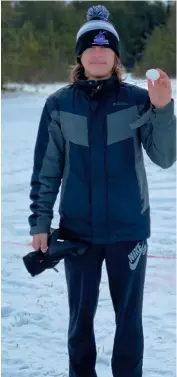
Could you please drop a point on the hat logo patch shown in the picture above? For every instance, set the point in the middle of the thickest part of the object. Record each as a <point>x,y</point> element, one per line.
<point>100,39</point>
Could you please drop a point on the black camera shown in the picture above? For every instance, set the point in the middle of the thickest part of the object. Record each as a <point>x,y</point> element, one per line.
<point>36,261</point>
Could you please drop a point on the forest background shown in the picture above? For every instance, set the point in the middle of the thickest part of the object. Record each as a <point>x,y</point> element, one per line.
<point>38,37</point>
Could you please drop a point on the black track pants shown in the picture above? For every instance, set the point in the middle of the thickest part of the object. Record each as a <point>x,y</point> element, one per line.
<point>126,266</point>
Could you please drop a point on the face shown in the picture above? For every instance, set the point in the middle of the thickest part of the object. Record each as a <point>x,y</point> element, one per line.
<point>98,62</point>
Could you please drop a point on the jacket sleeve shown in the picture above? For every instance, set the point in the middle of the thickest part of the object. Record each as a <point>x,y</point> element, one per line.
<point>158,135</point>
<point>47,169</point>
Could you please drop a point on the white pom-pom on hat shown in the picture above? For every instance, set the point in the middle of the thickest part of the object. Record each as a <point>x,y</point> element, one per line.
<point>98,11</point>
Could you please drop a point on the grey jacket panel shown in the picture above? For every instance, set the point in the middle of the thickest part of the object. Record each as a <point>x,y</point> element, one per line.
<point>65,172</point>
<point>158,134</point>
<point>118,125</point>
<point>46,177</point>
<point>140,172</point>
<point>74,128</point>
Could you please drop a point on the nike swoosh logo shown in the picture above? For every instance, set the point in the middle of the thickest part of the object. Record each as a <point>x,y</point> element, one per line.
<point>134,265</point>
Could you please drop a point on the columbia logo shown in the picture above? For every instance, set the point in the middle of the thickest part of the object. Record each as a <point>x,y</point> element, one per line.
<point>135,255</point>
<point>120,103</point>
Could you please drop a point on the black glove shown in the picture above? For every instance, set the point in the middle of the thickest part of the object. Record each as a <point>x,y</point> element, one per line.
<point>37,261</point>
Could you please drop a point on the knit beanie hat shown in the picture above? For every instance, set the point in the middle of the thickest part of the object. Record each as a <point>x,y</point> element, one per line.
<point>97,31</point>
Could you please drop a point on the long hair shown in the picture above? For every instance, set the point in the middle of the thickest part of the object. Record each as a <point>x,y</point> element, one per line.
<point>78,71</point>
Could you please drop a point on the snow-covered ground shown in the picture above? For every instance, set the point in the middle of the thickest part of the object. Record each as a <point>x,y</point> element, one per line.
<point>35,310</point>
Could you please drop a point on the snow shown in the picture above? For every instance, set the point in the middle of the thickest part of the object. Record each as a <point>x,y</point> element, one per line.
<point>35,310</point>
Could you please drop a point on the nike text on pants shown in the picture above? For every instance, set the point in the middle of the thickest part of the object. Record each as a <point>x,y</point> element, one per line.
<point>126,265</point>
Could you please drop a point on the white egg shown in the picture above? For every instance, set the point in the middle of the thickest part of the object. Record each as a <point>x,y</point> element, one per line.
<point>153,74</point>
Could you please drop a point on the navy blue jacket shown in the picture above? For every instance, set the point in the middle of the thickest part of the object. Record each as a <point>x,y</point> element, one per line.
<point>89,143</point>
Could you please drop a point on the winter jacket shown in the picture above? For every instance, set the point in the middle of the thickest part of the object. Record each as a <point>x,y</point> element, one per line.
<point>89,142</point>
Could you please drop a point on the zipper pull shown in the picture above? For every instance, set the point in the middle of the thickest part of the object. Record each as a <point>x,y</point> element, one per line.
<point>55,269</point>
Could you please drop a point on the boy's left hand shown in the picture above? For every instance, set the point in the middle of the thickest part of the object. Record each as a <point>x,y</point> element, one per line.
<point>160,92</point>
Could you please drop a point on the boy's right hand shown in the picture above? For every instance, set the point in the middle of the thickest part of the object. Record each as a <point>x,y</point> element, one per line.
<point>40,241</point>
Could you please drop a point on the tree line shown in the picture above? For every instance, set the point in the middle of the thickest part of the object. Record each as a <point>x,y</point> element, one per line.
<point>38,37</point>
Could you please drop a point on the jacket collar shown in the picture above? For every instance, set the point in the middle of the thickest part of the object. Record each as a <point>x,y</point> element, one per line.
<point>97,86</point>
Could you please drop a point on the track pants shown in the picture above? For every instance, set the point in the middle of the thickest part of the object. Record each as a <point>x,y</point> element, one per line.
<point>126,265</point>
